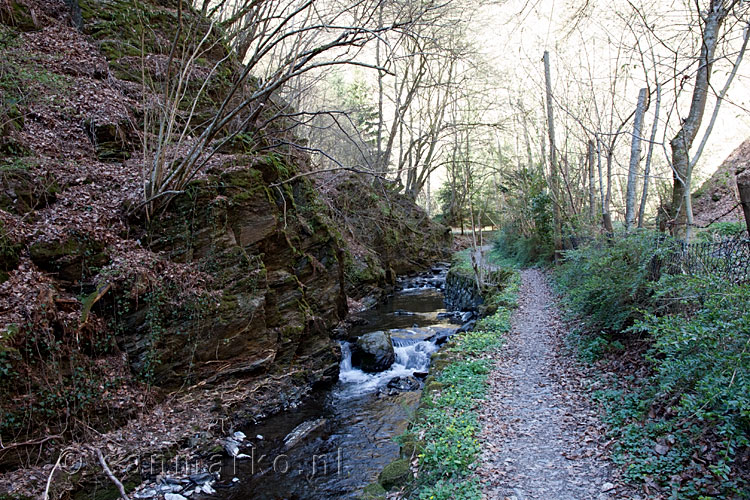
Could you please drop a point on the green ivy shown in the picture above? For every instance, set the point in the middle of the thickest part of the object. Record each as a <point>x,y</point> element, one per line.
<point>685,425</point>
<point>447,418</point>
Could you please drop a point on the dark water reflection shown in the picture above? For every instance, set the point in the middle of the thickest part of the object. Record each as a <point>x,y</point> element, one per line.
<point>353,424</point>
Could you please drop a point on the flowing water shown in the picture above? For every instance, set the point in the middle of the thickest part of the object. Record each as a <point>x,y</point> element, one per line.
<point>338,442</point>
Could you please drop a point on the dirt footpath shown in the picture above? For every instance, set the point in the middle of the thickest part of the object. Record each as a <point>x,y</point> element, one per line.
<point>542,439</point>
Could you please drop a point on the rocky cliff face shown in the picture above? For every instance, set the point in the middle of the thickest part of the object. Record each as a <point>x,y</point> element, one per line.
<point>386,233</point>
<point>236,285</point>
<point>274,291</point>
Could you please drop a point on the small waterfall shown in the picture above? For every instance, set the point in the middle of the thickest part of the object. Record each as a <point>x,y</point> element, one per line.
<point>349,374</point>
<point>415,356</point>
<point>346,357</point>
<point>402,342</point>
<point>412,355</point>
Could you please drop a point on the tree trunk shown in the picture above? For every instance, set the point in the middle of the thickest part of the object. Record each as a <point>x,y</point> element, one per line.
<point>75,13</point>
<point>555,188</point>
<point>381,167</point>
<point>592,181</point>
<point>635,158</point>
<point>529,158</point>
<point>681,209</point>
<point>606,216</point>
<point>647,168</point>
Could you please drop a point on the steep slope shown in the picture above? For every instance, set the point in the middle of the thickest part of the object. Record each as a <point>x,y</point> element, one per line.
<point>716,200</point>
<point>231,294</point>
<point>386,233</point>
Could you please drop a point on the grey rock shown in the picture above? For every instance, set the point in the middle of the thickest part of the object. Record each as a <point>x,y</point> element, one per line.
<point>174,496</point>
<point>661,449</point>
<point>301,431</point>
<point>467,327</point>
<point>232,447</point>
<point>201,478</point>
<point>147,493</point>
<point>608,487</point>
<point>401,312</point>
<point>373,352</point>
<point>404,384</point>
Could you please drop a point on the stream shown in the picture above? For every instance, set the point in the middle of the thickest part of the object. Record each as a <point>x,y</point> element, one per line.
<point>339,441</point>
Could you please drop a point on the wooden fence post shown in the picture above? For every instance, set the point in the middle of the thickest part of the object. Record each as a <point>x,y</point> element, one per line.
<point>743,185</point>
<point>742,175</point>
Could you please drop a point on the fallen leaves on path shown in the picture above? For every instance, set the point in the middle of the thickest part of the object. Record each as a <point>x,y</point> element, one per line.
<point>542,439</point>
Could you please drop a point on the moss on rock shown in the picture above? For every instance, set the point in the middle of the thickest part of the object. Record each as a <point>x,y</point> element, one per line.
<point>396,473</point>
<point>411,448</point>
<point>16,14</point>
<point>74,257</point>
<point>373,491</point>
<point>9,253</point>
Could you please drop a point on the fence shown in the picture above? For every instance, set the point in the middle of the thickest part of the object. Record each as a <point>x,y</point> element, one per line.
<point>728,259</point>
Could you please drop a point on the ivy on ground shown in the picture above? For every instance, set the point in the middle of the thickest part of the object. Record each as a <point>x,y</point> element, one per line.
<point>683,429</point>
<point>447,422</point>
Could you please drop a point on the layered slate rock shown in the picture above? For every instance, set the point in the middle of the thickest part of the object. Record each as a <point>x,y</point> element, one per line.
<point>273,258</point>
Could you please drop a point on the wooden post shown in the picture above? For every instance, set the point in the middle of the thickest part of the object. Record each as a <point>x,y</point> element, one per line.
<point>555,187</point>
<point>743,186</point>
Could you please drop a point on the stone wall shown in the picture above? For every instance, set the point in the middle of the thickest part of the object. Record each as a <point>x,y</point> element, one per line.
<point>461,292</point>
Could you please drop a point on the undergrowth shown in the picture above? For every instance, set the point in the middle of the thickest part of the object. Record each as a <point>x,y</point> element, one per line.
<point>684,429</point>
<point>447,422</point>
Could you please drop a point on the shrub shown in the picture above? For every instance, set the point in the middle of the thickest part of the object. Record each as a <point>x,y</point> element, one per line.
<point>610,281</point>
<point>721,230</point>
<point>702,381</point>
<point>685,425</point>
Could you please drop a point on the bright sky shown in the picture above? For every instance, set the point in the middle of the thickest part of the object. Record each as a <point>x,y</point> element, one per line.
<point>515,33</point>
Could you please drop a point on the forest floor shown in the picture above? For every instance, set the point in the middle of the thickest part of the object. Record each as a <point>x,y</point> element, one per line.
<point>542,437</point>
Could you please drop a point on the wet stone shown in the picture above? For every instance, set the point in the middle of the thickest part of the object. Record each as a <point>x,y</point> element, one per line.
<point>405,384</point>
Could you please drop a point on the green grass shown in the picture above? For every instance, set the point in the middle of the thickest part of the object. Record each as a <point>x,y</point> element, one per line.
<point>462,262</point>
<point>447,419</point>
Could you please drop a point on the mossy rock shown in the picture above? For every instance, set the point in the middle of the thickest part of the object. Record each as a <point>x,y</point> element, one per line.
<point>22,190</point>
<point>18,15</point>
<point>111,140</point>
<point>11,119</point>
<point>487,309</point>
<point>411,448</point>
<point>73,258</point>
<point>433,387</point>
<point>440,364</point>
<point>107,491</point>
<point>9,254</point>
<point>395,474</point>
<point>373,491</point>
<point>127,29</point>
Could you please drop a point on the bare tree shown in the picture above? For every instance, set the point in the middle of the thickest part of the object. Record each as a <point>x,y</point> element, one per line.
<point>555,188</point>
<point>277,42</point>
<point>712,20</point>
<point>649,156</point>
<point>635,158</point>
